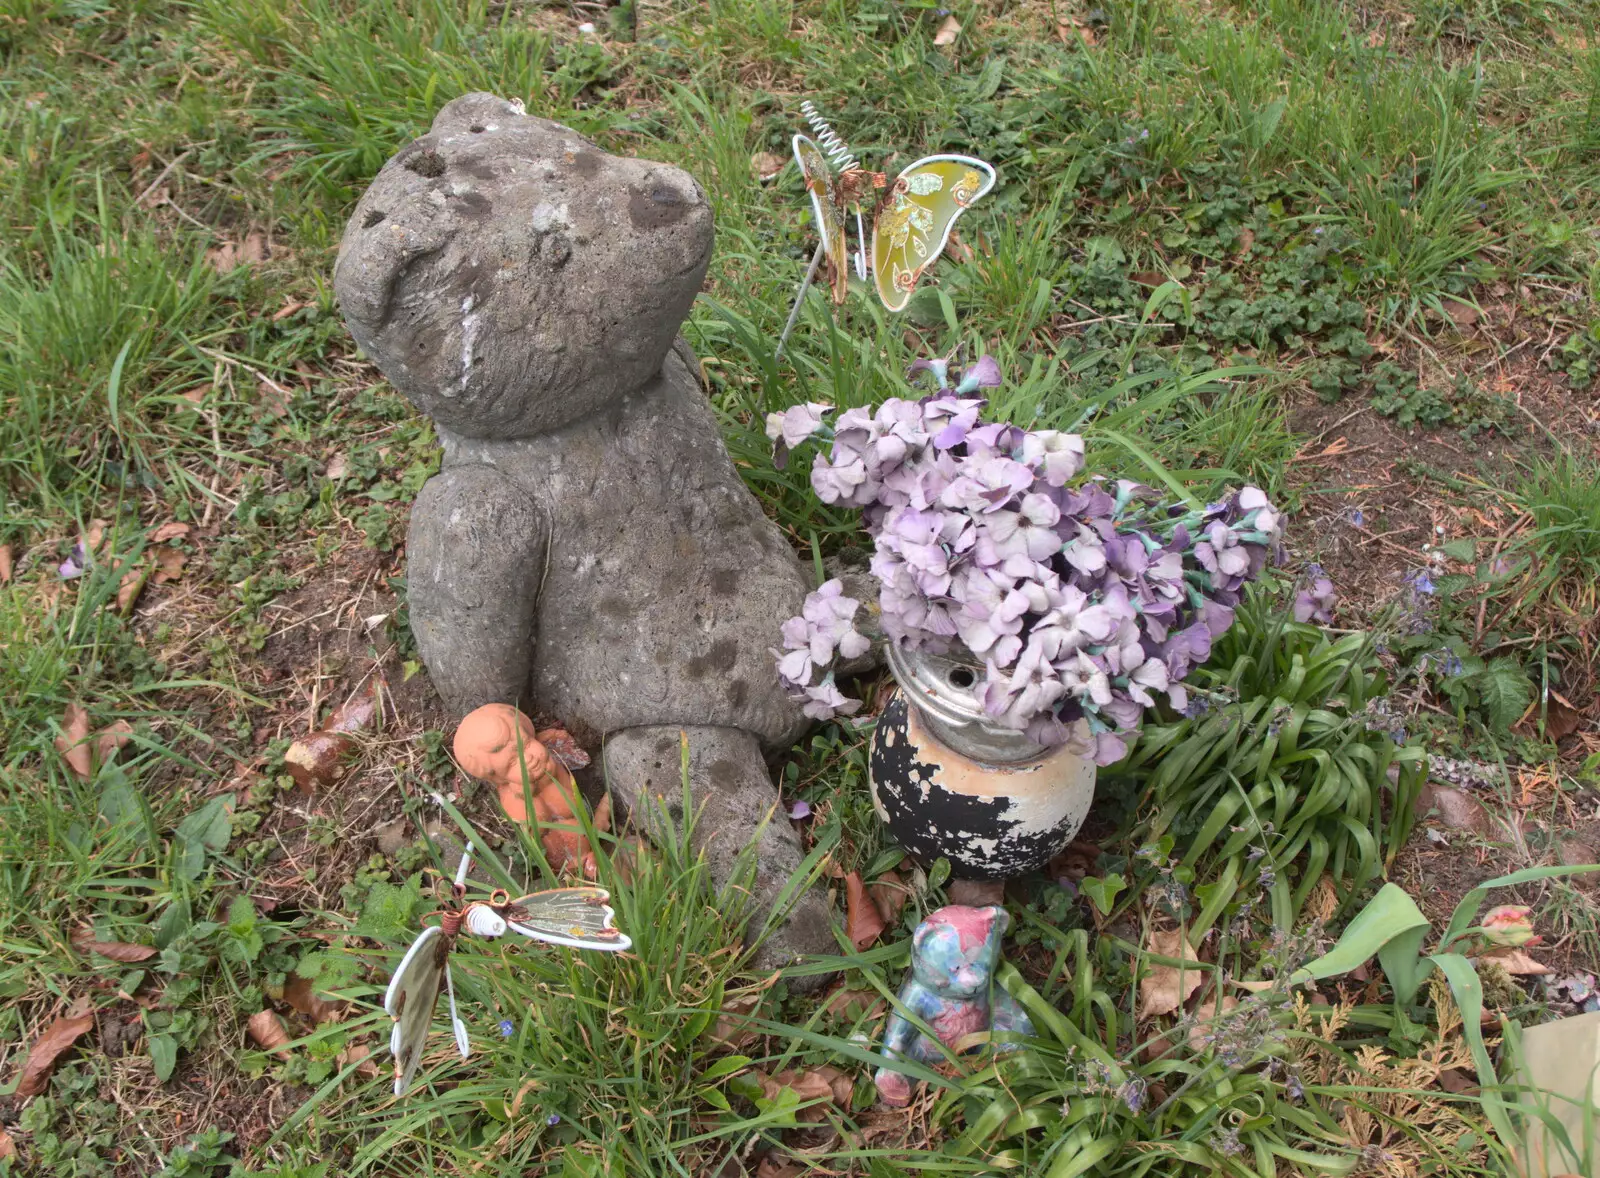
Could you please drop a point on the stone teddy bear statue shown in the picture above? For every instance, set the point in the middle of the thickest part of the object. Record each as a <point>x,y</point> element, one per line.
<point>588,550</point>
<point>954,954</point>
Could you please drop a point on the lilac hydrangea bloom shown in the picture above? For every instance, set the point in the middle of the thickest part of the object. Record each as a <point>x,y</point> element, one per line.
<point>796,424</point>
<point>1086,604</point>
<point>1315,602</point>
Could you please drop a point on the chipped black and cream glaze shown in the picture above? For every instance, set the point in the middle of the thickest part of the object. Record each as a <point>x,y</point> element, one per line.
<point>989,821</point>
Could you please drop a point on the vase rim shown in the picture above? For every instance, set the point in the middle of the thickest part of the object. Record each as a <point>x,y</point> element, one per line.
<point>943,687</point>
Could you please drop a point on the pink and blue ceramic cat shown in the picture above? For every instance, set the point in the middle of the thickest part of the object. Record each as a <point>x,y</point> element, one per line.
<point>954,954</point>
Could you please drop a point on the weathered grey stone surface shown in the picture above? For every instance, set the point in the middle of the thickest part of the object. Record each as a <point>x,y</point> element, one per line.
<point>510,277</point>
<point>587,550</point>
<point>732,796</point>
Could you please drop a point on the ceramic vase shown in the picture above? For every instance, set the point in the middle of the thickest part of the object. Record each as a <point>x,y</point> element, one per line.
<point>948,783</point>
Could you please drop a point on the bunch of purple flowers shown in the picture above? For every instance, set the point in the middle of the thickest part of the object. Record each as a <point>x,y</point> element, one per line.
<point>1079,600</point>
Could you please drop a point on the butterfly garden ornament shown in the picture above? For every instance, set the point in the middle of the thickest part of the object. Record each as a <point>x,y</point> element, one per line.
<point>911,217</point>
<point>576,917</point>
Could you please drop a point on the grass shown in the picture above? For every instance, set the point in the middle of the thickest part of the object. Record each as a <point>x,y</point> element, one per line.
<point>1211,219</point>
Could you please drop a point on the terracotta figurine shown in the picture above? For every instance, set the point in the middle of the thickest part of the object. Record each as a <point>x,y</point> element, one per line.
<point>494,744</point>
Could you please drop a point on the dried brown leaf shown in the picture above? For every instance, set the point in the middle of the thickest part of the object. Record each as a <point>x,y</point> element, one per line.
<point>1463,315</point>
<point>863,923</point>
<point>1560,721</point>
<point>267,1030</point>
<point>890,893</point>
<point>824,1083</point>
<point>287,309</point>
<point>1247,238</point>
<point>732,1028</point>
<point>169,564</point>
<point>764,165</point>
<point>1205,1016</point>
<point>171,530</point>
<point>299,993</point>
<point>110,739</point>
<point>56,1040</point>
<point>129,588</point>
<point>1162,991</point>
<point>73,743</point>
<point>83,941</point>
<point>1075,862</point>
<point>948,32</point>
<point>563,746</point>
<point>1517,963</point>
<point>779,1165</point>
<point>6,564</point>
<point>851,1004</point>
<point>338,466</point>
<point>8,1148</point>
<point>1254,987</point>
<point>229,254</point>
<point>93,536</point>
<point>273,398</point>
<point>358,1054</point>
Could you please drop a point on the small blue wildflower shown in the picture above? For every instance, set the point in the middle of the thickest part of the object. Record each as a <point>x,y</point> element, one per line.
<point>1423,583</point>
<point>1132,1094</point>
<point>1317,232</point>
<point>507,1028</point>
<point>1449,662</point>
<point>1357,518</point>
<point>1145,134</point>
<point>553,1119</point>
<point>1197,706</point>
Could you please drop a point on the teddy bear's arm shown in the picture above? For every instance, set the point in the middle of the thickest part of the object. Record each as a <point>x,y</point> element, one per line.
<point>474,554</point>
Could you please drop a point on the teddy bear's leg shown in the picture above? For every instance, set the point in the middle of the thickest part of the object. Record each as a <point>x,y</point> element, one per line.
<point>473,553</point>
<point>735,803</point>
<point>1009,1018</point>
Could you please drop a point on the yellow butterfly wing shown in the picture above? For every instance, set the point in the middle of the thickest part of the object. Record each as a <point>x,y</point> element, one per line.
<point>828,210</point>
<point>579,918</point>
<point>914,220</point>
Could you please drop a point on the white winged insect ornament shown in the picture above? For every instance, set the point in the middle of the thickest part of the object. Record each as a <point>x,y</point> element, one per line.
<point>911,217</point>
<point>576,917</point>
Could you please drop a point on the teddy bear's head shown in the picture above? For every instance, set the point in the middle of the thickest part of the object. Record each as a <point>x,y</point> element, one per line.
<point>954,950</point>
<point>509,277</point>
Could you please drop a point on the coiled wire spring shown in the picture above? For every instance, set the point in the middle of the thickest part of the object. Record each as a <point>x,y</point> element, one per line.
<point>831,143</point>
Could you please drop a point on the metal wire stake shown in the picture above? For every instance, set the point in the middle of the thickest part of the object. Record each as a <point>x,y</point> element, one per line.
<point>794,311</point>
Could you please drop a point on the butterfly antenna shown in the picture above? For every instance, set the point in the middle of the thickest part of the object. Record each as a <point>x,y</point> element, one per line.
<point>838,153</point>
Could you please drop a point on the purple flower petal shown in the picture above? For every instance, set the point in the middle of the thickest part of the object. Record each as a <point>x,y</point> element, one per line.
<point>800,810</point>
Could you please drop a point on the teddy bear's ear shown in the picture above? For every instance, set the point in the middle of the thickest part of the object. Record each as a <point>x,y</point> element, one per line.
<point>1001,920</point>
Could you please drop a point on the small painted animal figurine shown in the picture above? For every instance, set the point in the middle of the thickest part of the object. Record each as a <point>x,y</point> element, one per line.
<point>951,988</point>
<point>494,744</point>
